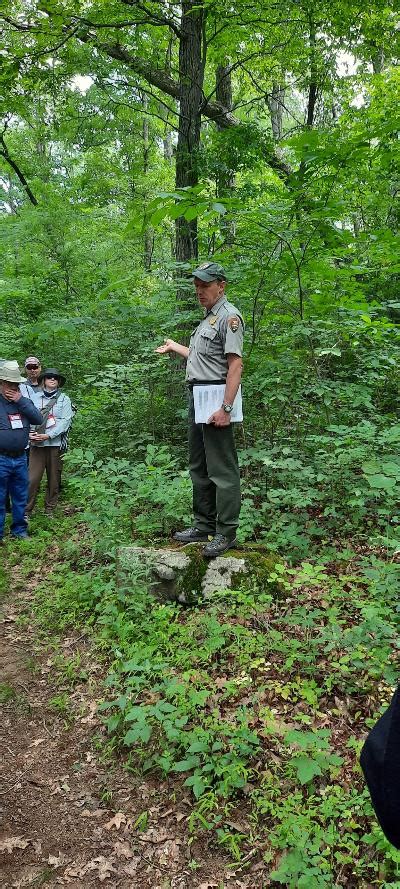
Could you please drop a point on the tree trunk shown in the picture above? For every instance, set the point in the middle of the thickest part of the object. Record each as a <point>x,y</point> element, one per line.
<point>225,177</point>
<point>313,86</point>
<point>275,105</point>
<point>377,59</point>
<point>191,73</point>
<point>167,137</point>
<point>168,147</point>
<point>148,244</point>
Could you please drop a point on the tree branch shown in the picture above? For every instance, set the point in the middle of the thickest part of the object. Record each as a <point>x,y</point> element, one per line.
<point>4,152</point>
<point>135,106</point>
<point>152,18</point>
<point>163,81</point>
<point>161,78</point>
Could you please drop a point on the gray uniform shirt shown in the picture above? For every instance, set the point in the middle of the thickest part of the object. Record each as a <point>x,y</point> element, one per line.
<point>219,334</point>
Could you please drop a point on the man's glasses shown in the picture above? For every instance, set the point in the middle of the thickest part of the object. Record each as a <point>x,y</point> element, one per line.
<point>50,377</point>
<point>32,367</point>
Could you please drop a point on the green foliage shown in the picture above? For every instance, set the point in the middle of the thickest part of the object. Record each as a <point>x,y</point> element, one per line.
<point>148,498</point>
<point>7,692</point>
<point>314,757</point>
<point>261,700</point>
<point>3,582</point>
<point>253,695</point>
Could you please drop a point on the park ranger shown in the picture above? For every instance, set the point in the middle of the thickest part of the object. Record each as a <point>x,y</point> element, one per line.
<point>214,364</point>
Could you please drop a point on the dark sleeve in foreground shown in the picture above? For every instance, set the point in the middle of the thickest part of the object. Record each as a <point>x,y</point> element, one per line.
<point>380,762</point>
<point>26,406</point>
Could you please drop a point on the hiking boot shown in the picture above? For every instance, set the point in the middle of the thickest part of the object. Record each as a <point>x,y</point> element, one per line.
<point>23,536</point>
<point>218,545</point>
<point>191,535</point>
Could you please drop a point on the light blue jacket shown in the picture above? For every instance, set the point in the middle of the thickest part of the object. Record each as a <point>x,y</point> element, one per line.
<point>29,391</point>
<point>62,413</point>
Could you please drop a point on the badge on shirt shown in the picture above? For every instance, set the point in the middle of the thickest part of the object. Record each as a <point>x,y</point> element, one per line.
<point>51,421</point>
<point>16,421</point>
<point>234,323</point>
<point>212,320</point>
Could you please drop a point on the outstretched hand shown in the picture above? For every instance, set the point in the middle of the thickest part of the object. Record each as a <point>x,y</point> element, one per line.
<point>167,346</point>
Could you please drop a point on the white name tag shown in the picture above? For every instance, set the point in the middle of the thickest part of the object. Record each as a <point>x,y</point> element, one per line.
<point>51,421</point>
<point>16,421</point>
<point>208,399</point>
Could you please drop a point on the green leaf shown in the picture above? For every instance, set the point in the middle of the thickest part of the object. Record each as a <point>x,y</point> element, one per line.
<point>191,213</point>
<point>219,208</point>
<point>197,783</point>
<point>160,214</point>
<point>382,482</point>
<point>140,732</point>
<point>135,714</point>
<point>199,747</point>
<point>184,765</point>
<point>306,768</point>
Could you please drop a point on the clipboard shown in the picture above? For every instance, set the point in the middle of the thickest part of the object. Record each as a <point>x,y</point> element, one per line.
<point>208,398</point>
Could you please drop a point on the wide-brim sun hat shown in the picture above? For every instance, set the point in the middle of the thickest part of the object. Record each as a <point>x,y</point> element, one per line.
<point>52,372</point>
<point>10,372</point>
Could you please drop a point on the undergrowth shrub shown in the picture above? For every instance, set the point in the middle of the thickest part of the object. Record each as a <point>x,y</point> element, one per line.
<point>121,499</point>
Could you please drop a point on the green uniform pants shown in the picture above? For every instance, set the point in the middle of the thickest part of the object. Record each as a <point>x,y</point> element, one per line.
<point>214,470</point>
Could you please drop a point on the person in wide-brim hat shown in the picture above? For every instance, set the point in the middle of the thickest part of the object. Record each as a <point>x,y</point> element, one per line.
<point>16,415</point>
<point>10,372</point>
<point>52,372</point>
<point>47,438</point>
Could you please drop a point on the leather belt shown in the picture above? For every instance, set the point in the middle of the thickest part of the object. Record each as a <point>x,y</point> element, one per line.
<point>192,383</point>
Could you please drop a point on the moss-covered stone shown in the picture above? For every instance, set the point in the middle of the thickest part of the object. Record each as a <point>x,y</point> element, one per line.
<point>184,575</point>
<point>260,565</point>
<point>188,584</point>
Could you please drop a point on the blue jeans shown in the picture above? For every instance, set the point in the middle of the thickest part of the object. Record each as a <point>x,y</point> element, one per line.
<point>14,480</point>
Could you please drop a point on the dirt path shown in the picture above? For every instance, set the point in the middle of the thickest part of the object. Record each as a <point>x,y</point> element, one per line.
<point>67,818</point>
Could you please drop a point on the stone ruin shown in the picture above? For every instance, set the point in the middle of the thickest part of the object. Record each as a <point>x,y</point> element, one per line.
<point>183,575</point>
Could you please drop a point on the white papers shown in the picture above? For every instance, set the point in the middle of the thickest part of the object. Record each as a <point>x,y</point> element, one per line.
<point>208,398</point>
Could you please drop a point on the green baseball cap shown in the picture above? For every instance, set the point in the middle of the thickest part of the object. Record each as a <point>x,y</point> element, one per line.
<point>210,271</point>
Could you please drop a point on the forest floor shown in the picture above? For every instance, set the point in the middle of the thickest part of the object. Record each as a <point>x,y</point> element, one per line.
<point>70,817</point>
<point>276,688</point>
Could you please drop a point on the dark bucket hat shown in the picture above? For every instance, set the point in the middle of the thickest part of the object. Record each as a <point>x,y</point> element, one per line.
<point>52,372</point>
<point>210,271</point>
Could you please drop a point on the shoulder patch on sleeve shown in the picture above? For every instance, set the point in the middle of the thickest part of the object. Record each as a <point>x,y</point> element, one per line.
<point>234,322</point>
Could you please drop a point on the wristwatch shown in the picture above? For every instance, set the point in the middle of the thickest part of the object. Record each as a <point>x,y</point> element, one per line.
<point>228,408</point>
